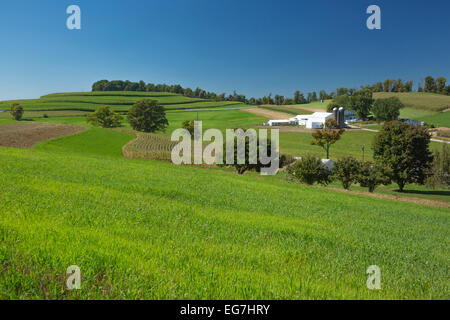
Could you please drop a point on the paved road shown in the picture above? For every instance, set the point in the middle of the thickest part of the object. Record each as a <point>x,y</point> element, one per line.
<point>215,109</point>
<point>442,141</point>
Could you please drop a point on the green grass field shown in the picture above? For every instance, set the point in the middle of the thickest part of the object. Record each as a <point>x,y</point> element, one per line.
<point>422,106</point>
<point>148,229</point>
<point>418,100</point>
<point>119,101</point>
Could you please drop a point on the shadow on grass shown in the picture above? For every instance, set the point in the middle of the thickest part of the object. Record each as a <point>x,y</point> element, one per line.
<point>425,192</point>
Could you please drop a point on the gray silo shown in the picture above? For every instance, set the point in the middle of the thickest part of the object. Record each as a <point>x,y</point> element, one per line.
<point>341,117</point>
<point>335,114</point>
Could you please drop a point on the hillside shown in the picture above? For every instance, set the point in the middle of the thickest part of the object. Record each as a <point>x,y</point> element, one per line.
<point>148,229</point>
<point>418,100</point>
<point>120,101</point>
<point>421,106</point>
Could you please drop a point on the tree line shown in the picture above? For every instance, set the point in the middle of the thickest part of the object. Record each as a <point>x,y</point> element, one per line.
<point>389,85</point>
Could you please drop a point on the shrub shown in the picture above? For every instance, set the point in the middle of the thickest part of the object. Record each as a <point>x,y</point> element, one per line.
<point>17,112</point>
<point>372,175</point>
<point>147,116</point>
<point>346,170</point>
<point>189,126</point>
<point>247,165</point>
<point>105,117</point>
<point>440,169</point>
<point>309,170</point>
<point>45,116</point>
<point>286,159</point>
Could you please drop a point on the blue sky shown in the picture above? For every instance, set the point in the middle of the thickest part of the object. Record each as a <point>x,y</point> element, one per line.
<point>253,47</point>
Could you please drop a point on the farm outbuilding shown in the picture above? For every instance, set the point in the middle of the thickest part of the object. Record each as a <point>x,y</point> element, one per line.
<point>317,120</point>
<point>312,121</point>
<point>278,122</point>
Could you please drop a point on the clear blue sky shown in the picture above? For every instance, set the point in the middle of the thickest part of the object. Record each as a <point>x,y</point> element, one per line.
<point>253,46</point>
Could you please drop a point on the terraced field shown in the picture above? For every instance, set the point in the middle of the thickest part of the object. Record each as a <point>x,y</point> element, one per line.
<point>120,101</point>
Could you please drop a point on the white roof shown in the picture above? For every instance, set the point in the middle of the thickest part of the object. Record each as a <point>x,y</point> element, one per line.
<point>321,114</point>
<point>279,120</point>
<point>314,115</point>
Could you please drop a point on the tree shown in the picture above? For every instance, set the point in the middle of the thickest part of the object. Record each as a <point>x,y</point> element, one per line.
<point>189,126</point>
<point>372,175</point>
<point>387,109</point>
<point>397,86</point>
<point>346,170</point>
<point>404,149</point>
<point>147,116</point>
<point>105,117</point>
<point>299,98</point>
<point>388,85</point>
<point>327,136</point>
<point>361,101</point>
<point>141,86</point>
<point>408,86</point>
<point>440,85</point>
<point>309,170</point>
<point>377,87</point>
<point>241,168</point>
<point>430,85</point>
<point>99,85</point>
<point>17,112</point>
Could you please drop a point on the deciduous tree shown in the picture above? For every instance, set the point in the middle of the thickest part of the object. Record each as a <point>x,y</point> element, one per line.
<point>147,116</point>
<point>404,149</point>
<point>327,136</point>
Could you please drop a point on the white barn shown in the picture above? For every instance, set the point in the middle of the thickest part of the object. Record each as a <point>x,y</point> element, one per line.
<point>311,121</point>
<point>318,119</point>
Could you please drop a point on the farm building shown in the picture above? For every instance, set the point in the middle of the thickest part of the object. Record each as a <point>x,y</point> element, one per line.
<point>315,120</point>
<point>278,122</point>
<point>312,121</point>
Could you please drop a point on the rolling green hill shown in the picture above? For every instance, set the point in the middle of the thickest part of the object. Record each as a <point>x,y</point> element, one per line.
<point>428,107</point>
<point>119,101</point>
<point>418,100</point>
<point>149,229</point>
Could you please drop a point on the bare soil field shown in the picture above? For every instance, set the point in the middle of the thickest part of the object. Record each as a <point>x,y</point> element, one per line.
<point>272,115</point>
<point>26,135</point>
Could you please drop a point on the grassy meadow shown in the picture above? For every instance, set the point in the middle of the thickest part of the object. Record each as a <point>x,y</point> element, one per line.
<point>421,106</point>
<point>145,229</point>
<point>149,229</point>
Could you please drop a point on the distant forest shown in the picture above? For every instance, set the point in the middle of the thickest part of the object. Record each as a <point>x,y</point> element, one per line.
<point>390,85</point>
